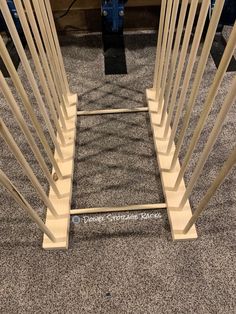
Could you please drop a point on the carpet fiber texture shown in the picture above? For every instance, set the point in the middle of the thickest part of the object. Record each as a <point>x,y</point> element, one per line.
<point>120,263</point>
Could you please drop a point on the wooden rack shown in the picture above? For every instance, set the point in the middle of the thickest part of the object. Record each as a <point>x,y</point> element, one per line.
<point>179,40</point>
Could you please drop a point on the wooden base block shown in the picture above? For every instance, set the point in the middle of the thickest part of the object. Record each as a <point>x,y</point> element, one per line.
<point>73,99</point>
<point>60,226</point>
<point>177,218</point>
<point>150,93</point>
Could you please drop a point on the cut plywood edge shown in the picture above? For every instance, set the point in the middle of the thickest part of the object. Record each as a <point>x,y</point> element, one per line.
<point>60,226</point>
<point>177,218</point>
<point>72,99</point>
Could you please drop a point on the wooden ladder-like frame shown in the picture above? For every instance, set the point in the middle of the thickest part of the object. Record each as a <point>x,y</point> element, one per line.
<point>165,108</point>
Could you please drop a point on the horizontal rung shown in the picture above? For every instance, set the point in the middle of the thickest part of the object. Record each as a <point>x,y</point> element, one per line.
<point>111,111</point>
<point>116,209</point>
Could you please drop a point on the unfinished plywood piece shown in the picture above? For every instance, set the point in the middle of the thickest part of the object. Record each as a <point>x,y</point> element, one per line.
<point>177,218</point>
<point>60,226</point>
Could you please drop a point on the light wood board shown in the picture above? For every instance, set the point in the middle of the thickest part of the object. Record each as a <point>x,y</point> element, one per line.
<point>177,218</point>
<point>60,226</point>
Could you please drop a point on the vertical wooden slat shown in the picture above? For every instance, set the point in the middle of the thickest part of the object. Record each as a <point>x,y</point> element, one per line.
<point>57,97</point>
<point>230,98</point>
<point>50,48</point>
<point>225,170</point>
<point>228,53</point>
<point>15,37</point>
<point>158,51</point>
<point>163,135</point>
<point>189,70</point>
<point>174,58</point>
<point>182,59</point>
<point>51,55</point>
<point>39,69</point>
<point>23,125</point>
<point>171,31</point>
<point>6,135</point>
<point>26,102</point>
<point>21,201</point>
<point>198,77</point>
<point>163,48</point>
<point>57,44</point>
<point>47,58</point>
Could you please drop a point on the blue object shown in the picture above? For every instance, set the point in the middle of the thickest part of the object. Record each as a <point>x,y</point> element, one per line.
<point>12,8</point>
<point>113,15</point>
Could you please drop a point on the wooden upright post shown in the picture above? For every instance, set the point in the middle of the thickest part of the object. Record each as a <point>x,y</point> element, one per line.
<point>12,190</point>
<point>228,165</point>
<point>163,135</point>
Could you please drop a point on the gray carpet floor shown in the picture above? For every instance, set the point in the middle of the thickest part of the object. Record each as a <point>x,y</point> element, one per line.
<point>120,263</point>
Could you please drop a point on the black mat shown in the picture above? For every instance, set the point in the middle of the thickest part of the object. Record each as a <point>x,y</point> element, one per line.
<point>217,51</point>
<point>114,53</point>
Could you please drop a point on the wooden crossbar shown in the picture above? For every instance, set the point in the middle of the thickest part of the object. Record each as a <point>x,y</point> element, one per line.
<point>111,111</point>
<point>117,209</point>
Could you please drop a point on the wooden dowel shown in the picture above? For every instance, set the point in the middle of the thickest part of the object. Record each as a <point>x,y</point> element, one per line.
<point>117,209</point>
<point>198,77</point>
<point>39,69</point>
<point>225,170</point>
<point>182,60</point>
<point>58,99</point>
<point>167,55</point>
<point>23,125</point>
<point>228,53</point>
<point>163,49</point>
<point>26,102</point>
<point>21,201</point>
<point>57,44</point>
<point>159,44</point>
<point>6,135</point>
<point>16,39</point>
<point>229,100</point>
<point>189,70</point>
<point>174,59</point>
<point>41,11</point>
<point>111,111</point>
<point>51,54</point>
<point>54,42</point>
